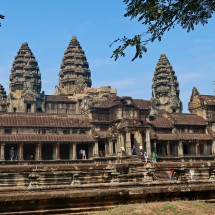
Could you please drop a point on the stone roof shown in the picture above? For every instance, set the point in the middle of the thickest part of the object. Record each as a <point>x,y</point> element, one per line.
<point>30,138</point>
<point>142,104</point>
<point>43,120</point>
<point>161,122</point>
<point>112,101</point>
<point>208,99</point>
<point>102,134</point>
<point>186,136</point>
<point>187,119</point>
<point>57,98</point>
<point>167,136</point>
<point>196,137</point>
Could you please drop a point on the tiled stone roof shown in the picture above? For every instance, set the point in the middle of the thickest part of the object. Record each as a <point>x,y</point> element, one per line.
<point>167,136</point>
<point>110,102</point>
<point>102,134</point>
<point>196,137</point>
<point>183,136</point>
<point>161,122</point>
<point>142,104</point>
<point>45,138</point>
<point>187,119</point>
<point>209,100</point>
<point>43,120</point>
<point>56,98</point>
<point>124,100</point>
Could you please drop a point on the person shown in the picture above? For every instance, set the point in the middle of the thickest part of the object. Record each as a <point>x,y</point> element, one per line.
<point>123,150</point>
<point>145,156</point>
<point>133,150</point>
<point>154,157</point>
<point>141,149</point>
<point>83,154</point>
<point>11,153</point>
<point>192,172</point>
<point>172,174</point>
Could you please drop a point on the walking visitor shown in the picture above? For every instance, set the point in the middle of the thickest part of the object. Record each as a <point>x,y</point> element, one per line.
<point>11,153</point>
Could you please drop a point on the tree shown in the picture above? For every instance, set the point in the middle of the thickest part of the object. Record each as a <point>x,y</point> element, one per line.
<point>1,17</point>
<point>160,17</point>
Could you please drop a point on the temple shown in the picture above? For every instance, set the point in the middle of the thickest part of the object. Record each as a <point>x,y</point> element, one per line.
<point>78,116</point>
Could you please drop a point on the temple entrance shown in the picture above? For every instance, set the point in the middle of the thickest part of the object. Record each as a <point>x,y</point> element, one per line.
<point>201,149</point>
<point>64,151</point>
<point>47,152</point>
<point>102,151</point>
<point>29,152</point>
<point>114,148</point>
<point>82,147</point>
<point>185,149</point>
<point>133,145</point>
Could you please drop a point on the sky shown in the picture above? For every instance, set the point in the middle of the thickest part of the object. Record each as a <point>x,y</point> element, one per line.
<point>48,26</point>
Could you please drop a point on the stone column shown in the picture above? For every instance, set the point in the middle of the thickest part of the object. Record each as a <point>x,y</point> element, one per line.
<point>110,144</point>
<point>128,143</point>
<point>20,152</point>
<point>38,155</point>
<point>78,107</point>
<point>213,147</point>
<point>57,151</point>
<point>168,149</point>
<point>120,143</point>
<point>71,151</point>
<point>107,148</point>
<point>206,149</point>
<point>197,148</point>
<point>180,148</point>
<point>74,155</point>
<point>96,148</point>
<point>148,144</point>
<point>2,157</point>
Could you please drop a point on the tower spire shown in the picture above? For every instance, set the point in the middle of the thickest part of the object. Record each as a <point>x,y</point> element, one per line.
<point>25,81</point>
<point>74,74</point>
<point>165,87</point>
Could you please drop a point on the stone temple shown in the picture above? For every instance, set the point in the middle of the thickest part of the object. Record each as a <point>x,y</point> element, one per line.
<point>77,116</point>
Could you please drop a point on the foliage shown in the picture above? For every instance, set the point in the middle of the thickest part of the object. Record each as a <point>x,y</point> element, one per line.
<point>160,16</point>
<point>1,17</point>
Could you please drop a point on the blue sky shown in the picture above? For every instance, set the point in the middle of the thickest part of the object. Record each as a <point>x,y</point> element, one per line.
<point>48,26</point>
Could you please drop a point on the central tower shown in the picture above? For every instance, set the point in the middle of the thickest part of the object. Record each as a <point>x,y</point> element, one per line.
<point>165,88</point>
<point>74,75</point>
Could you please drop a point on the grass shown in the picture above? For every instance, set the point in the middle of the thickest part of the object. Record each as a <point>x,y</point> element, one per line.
<point>163,208</point>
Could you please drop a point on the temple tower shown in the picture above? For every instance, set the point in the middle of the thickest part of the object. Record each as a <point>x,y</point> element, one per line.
<point>165,88</point>
<point>3,99</point>
<point>25,83</point>
<point>74,75</point>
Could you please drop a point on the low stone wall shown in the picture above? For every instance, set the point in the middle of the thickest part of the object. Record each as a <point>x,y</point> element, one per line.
<point>26,186</point>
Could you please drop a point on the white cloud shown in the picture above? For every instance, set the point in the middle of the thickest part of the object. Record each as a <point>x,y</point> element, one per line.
<point>200,41</point>
<point>100,62</point>
<point>116,84</point>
